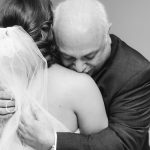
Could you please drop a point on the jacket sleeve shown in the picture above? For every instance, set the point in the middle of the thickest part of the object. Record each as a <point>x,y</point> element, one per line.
<point>129,118</point>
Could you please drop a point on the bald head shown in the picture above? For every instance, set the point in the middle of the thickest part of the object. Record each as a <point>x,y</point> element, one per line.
<point>81,28</point>
<point>80,19</point>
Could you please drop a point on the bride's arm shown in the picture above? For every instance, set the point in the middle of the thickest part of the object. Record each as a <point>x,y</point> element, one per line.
<point>89,106</point>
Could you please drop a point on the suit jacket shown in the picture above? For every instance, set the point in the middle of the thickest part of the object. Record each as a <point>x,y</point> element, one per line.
<point>124,81</point>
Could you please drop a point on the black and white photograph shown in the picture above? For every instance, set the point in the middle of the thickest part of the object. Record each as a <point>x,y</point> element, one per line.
<point>74,75</point>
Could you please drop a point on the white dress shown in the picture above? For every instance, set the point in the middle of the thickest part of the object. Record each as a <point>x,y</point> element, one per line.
<point>23,71</point>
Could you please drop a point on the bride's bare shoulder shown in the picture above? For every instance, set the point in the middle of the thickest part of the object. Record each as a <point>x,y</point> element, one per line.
<point>61,73</point>
<point>69,87</point>
<point>63,77</point>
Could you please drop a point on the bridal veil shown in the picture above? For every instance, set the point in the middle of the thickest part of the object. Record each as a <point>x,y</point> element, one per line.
<point>23,72</point>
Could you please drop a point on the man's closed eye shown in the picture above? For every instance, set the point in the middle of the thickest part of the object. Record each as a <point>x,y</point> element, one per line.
<point>90,56</point>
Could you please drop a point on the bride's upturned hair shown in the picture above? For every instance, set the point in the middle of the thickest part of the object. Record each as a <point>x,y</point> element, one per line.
<point>36,17</point>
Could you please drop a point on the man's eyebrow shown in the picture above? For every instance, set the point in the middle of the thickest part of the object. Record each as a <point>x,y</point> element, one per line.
<point>91,53</point>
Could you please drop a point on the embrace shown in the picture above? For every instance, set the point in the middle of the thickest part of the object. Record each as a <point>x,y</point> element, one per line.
<point>66,83</point>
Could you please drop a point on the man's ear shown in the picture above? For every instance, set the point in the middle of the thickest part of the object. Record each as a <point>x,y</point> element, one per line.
<point>109,28</point>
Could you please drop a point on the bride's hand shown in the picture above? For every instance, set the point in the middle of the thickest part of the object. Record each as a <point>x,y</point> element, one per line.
<point>35,130</point>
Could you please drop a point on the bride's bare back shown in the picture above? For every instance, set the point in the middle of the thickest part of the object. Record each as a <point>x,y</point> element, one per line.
<point>75,100</point>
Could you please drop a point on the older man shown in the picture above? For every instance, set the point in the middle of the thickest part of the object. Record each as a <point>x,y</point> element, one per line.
<point>81,29</point>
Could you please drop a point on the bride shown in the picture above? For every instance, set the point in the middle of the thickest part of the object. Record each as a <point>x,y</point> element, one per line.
<point>70,100</point>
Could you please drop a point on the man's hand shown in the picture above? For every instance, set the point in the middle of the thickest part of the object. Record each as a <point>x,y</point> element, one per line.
<point>35,130</point>
<point>7,105</point>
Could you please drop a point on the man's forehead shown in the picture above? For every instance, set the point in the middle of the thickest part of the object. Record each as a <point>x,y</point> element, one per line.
<point>82,47</point>
<point>77,52</point>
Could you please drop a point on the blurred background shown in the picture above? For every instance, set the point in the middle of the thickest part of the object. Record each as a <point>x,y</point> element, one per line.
<point>130,21</point>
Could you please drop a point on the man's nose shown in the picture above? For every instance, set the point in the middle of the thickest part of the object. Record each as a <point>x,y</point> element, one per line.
<point>79,66</point>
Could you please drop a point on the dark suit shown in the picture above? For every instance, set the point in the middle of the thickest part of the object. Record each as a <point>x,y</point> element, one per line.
<point>124,81</point>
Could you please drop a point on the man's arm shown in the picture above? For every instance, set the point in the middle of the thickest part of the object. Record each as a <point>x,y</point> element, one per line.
<point>128,120</point>
<point>7,105</point>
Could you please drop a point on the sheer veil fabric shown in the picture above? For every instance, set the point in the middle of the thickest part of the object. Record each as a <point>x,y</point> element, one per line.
<point>23,72</point>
